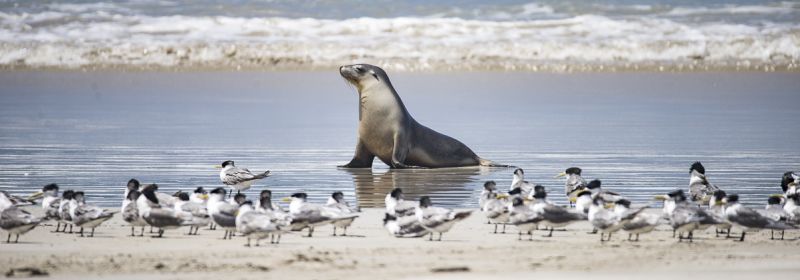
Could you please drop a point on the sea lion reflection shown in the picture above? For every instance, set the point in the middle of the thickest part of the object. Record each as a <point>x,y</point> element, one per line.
<point>451,187</point>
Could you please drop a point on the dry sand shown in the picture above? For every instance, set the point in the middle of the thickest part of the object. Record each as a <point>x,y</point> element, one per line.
<point>469,251</point>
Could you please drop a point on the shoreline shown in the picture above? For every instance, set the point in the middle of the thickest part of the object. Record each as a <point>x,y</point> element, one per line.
<point>468,251</point>
<point>744,66</point>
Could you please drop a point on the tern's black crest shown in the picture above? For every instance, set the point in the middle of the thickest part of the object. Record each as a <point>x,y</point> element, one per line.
<point>624,202</point>
<point>594,184</point>
<point>300,195</point>
<point>489,185</point>
<point>247,202</point>
<point>396,192</point>
<point>733,198</point>
<point>519,171</point>
<point>338,196</point>
<point>68,194</point>
<point>720,194</point>
<point>265,194</point>
<point>425,202</point>
<point>50,187</point>
<point>774,200</point>
<point>199,190</point>
<point>183,196</point>
<point>517,201</point>
<point>226,163</point>
<point>539,195</point>
<point>539,188</point>
<point>675,193</point>
<point>573,170</point>
<point>697,166</point>
<point>786,179</point>
<point>133,184</point>
<point>239,198</point>
<point>218,191</point>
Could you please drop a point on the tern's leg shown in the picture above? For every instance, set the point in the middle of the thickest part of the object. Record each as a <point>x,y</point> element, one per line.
<point>772,234</point>
<point>549,234</point>
<point>132,233</point>
<point>310,231</point>
<point>594,231</point>
<point>248,242</point>
<point>728,233</point>
<point>16,240</point>
<point>430,238</point>
<point>495,228</point>
<point>782,232</point>
<point>520,235</point>
<point>334,230</point>
<point>673,233</point>
<point>691,236</point>
<point>279,239</point>
<point>9,238</point>
<point>345,231</point>
<point>504,228</point>
<point>70,228</point>
<point>440,236</point>
<point>601,237</point>
<point>81,231</point>
<point>530,236</point>
<point>142,233</point>
<point>92,235</point>
<point>741,239</point>
<point>717,232</point>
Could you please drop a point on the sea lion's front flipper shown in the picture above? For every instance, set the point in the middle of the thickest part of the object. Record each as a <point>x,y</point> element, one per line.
<point>362,159</point>
<point>399,151</point>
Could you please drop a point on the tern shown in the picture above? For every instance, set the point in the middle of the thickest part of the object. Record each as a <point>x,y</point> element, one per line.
<point>239,179</point>
<point>437,219</point>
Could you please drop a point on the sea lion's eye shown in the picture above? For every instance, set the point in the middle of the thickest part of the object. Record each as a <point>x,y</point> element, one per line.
<point>374,75</point>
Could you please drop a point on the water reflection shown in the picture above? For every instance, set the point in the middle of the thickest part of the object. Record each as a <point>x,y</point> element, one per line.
<point>452,187</point>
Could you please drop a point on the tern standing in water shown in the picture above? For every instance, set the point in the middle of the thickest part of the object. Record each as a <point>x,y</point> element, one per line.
<point>239,179</point>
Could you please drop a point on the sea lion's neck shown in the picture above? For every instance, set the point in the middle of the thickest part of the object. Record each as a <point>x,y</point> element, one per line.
<point>380,97</point>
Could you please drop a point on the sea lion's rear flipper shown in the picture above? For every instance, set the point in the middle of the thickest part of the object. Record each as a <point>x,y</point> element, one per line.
<point>489,163</point>
<point>362,159</point>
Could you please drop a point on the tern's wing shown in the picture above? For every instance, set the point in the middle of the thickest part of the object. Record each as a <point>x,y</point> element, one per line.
<point>749,218</point>
<point>238,175</point>
<point>13,217</point>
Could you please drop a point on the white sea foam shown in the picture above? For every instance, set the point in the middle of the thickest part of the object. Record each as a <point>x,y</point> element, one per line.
<point>102,34</point>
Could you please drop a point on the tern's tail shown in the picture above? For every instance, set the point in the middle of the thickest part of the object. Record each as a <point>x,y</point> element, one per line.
<point>489,163</point>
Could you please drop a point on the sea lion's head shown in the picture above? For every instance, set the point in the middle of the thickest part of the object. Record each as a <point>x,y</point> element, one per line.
<point>364,76</point>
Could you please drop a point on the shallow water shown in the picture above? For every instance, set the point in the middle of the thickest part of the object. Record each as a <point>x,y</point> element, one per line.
<point>638,132</point>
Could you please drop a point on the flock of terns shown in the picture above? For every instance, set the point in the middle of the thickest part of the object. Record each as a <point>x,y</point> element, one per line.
<point>525,206</point>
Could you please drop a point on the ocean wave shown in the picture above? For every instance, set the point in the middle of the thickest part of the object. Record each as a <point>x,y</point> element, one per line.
<point>105,36</point>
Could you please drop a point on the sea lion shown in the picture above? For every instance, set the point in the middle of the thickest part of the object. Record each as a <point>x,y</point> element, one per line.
<point>387,130</point>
